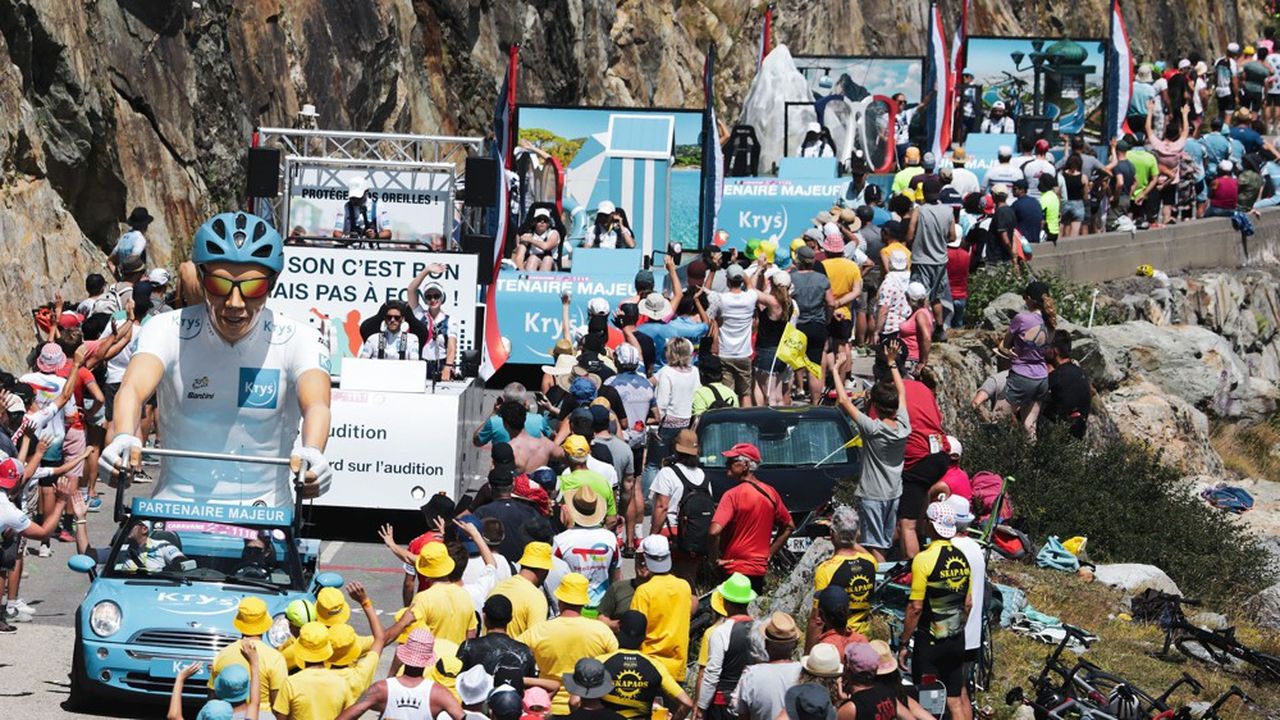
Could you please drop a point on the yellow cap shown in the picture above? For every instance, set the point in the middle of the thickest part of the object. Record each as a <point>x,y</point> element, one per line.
<point>445,671</point>
<point>912,155</point>
<point>717,603</point>
<point>434,561</point>
<point>796,244</point>
<point>573,590</point>
<point>1249,50</point>
<point>312,645</point>
<point>252,617</point>
<point>577,447</point>
<point>537,555</point>
<point>345,645</point>
<point>331,607</point>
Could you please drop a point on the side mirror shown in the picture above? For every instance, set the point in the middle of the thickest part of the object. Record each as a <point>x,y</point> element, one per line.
<point>329,579</point>
<point>81,563</point>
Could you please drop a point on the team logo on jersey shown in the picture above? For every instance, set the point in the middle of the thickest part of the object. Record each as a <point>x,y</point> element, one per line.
<point>259,388</point>
<point>280,333</point>
<point>199,383</point>
<point>628,684</point>
<point>955,573</point>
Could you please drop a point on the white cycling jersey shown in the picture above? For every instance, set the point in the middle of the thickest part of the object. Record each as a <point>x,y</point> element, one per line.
<point>238,399</point>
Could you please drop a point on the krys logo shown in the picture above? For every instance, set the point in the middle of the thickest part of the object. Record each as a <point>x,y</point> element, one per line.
<point>767,226</point>
<point>259,388</point>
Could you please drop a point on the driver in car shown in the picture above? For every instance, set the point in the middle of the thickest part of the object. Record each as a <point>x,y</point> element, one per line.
<point>148,554</point>
<point>256,559</point>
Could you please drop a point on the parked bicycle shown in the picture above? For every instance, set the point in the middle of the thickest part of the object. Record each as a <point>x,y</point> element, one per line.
<point>1215,647</point>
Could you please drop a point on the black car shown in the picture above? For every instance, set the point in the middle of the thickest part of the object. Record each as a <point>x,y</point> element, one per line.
<point>792,442</point>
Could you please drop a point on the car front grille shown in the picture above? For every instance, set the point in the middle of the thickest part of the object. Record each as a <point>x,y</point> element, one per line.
<point>204,642</point>
<point>145,683</point>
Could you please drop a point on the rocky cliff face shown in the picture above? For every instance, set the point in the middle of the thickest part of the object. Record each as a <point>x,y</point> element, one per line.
<point>107,105</point>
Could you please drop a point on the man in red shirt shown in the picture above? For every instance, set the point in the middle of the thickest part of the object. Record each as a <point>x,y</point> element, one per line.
<point>958,261</point>
<point>742,529</point>
<point>924,461</point>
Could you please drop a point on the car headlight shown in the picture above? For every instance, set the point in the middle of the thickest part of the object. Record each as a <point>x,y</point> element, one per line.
<point>279,633</point>
<point>104,620</point>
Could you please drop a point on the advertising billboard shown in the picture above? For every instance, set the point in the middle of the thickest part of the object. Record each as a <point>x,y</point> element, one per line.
<point>860,77</point>
<point>414,205</point>
<point>1067,74</point>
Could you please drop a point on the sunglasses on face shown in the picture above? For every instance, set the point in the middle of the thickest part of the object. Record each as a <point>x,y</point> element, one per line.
<point>251,288</point>
<point>394,318</point>
<point>435,298</point>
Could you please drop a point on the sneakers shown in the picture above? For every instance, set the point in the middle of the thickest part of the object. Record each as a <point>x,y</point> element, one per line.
<point>66,537</point>
<point>6,628</point>
<point>22,606</point>
<point>142,478</point>
<point>44,551</point>
<point>13,615</point>
<point>94,504</point>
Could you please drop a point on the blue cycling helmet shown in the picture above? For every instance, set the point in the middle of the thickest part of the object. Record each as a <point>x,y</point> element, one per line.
<point>239,237</point>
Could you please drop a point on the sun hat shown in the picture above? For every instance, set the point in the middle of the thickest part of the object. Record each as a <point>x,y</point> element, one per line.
<point>686,442</point>
<point>737,589</point>
<point>418,650</point>
<point>475,685</point>
<point>331,607</point>
<point>943,519</point>
<point>446,669</point>
<point>657,553</point>
<point>586,507</point>
<point>717,603</point>
<point>589,679</point>
<point>51,358</point>
<point>782,278</point>
<point>916,291</point>
<point>655,306</point>
<point>809,701</point>
<point>888,663</point>
<point>1184,63</point>
<point>536,697</point>
<point>606,208</point>
<point>1144,73</point>
<point>734,272</point>
<point>573,590</point>
<point>823,660</point>
<point>576,447</point>
<point>537,556</point>
<point>140,215</point>
<point>898,260</point>
<point>1202,68</point>
<point>780,627</point>
<point>954,448</point>
<point>434,561</point>
<point>861,658</point>
<point>232,684</point>
<point>252,617</point>
<point>960,507</point>
<point>812,233</point>
<point>563,367</point>
<point>216,710</point>
<point>300,612</point>
<point>346,646</point>
<point>833,243</point>
<point>823,218</point>
<point>584,387</point>
<point>632,627</point>
<point>745,450</point>
<point>958,156</point>
<point>598,306</point>
<point>312,645</point>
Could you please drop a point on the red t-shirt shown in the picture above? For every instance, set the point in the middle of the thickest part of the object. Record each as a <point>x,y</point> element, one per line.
<point>958,272</point>
<point>926,421</point>
<point>957,481</point>
<point>86,378</point>
<point>748,513</point>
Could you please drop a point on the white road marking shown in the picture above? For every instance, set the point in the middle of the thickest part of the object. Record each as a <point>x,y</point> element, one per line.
<point>327,555</point>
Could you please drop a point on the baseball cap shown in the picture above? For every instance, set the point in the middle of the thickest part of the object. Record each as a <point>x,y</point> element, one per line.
<point>535,698</point>
<point>1042,146</point>
<point>833,600</point>
<point>598,306</point>
<point>929,160</point>
<point>357,187</point>
<point>606,208</point>
<point>1004,151</point>
<point>943,519</point>
<point>577,447</point>
<point>632,627</point>
<point>912,155</point>
<point>1124,146</point>
<point>1233,48</point>
<point>1249,50</point>
<point>917,291</point>
<point>743,450</point>
<point>734,271</point>
<point>805,253</point>
<point>1184,63</point>
<point>644,278</point>
<point>1225,166</point>
<point>997,105</point>
<point>10,474</point>
<point>657,553</point>
<point>627,356</point>
<point>782,278</point>
<point>158,276</point>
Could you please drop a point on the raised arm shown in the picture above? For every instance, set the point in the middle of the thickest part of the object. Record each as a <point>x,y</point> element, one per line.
<point>357,593</point>
<point>677,291</point>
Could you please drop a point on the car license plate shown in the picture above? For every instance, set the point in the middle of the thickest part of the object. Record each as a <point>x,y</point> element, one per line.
<point>799,544</point>
<point>170,667</point>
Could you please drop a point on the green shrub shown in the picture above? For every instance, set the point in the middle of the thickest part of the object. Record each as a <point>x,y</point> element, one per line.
<point>1071,300</point>
<point>1131,506</point>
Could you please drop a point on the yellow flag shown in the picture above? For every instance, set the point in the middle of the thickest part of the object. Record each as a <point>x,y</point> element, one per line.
<point>791,350</point>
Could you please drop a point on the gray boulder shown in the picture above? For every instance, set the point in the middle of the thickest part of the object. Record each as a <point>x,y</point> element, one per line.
<point>1133,578</point>
<point>999,312</point>
<point>1265,607</point>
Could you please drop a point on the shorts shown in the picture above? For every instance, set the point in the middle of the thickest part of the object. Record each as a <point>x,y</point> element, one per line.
<point>1169,194</point>
<point>1073,211</point>
<point>840,331</point>
<point>1252,101</point>
<point>109,391</point>
<point>9,554</point>
<point>1020,390</point>
<point>1226,103</point>
<point>737,374</point>
<point>934,279</point>
<point>942,659</point>
<point>916,481</point>
<point>877,518</point>
<point>816,333</point>
<point>72,445</point>
<point>766,363</point>
<point>1273,99</point>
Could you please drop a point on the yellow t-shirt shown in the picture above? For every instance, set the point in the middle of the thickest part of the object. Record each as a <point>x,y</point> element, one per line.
<point>895,245</point>
<point>558,644</point>
<point>272,668</point>
<point>665,600</point>
<point>528,603</point>
<point>843,274</point>
<point>446,610</point>
<point>358,675</point>
<point>857,575</point>
<point>312,694</point>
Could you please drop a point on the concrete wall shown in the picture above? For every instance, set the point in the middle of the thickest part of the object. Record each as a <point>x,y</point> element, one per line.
<point>1197,244</point>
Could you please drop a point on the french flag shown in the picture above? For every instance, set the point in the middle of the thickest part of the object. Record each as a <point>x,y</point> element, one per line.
<point>938,89</point>
<point>959,58</point>
<point>1119,75</point>
<point>495,354</point>
<point>766,35</point>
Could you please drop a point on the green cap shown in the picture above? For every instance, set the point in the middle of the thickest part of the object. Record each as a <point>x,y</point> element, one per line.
<point>300,612</point>
<point>737,589</point>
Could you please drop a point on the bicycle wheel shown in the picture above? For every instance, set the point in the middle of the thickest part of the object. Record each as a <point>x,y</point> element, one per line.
<point>1230,654</point>
<point>984,669</point>
<point>1113,694</point>
<point>1211,650</point>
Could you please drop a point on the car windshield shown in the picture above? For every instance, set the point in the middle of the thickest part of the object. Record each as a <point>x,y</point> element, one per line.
<point>200,551</point>
<point>783,438</point>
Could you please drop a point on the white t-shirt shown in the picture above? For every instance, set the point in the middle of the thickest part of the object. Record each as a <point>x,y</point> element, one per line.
<point>47,387</point>
<point>130,246</point>
<point>238,399</point>
<point>436,346</point>
<point>592,552</point>
<point>1032,171</point>
<point>1273,62</point>
<point>666,483</point>
<point>1002,125</point>
<point>737,310</point>
<point>977,587</point>
<point>964,181</point>
<point>390,344</point>
<point>11,518</point>
<point>120,362</point>
<point>1007,173</point>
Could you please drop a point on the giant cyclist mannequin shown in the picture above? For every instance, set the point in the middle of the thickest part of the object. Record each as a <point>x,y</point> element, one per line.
<point>231,376</point>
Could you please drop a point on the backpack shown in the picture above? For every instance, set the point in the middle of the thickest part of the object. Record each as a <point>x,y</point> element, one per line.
<point>720,400</point>
<point>986,488</point>
<point>114,298</point>
<point>1012,544</point>
<point>693,516</point>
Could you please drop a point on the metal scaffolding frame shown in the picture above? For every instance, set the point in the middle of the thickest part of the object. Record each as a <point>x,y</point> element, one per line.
<point>381,150</point>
